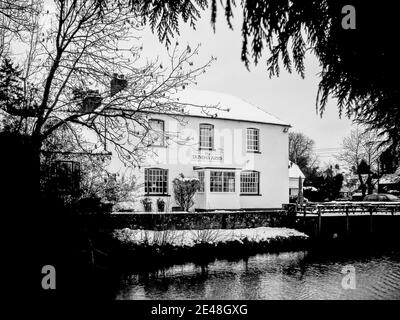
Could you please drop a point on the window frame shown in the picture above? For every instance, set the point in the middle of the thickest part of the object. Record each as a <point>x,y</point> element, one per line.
<point>257,193</point>
<point>253,150</point>
<point>164,175</point>
<point>223,185</point>
<point>202,181</point>
<point>211,126</point>
<point>161,136</point>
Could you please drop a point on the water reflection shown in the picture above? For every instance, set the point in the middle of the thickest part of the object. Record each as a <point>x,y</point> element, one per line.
<point>290,275</point>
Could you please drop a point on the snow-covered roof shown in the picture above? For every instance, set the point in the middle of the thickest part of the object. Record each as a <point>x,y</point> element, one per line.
<point>229,107</point>
<point>294,171</point>
<point>392,178</point>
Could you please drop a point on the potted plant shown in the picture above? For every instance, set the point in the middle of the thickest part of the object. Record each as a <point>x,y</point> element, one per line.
<point>146,204</point>
<point>160,205</point>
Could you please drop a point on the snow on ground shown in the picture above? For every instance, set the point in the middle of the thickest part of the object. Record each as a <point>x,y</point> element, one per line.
<point>189,238</point>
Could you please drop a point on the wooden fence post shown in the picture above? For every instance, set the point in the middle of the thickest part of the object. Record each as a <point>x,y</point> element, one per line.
<point>370,220</point>
<point>319,222</point>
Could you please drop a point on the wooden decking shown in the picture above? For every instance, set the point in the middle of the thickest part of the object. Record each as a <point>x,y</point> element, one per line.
<point>346,218</point>
<point>346,208</point>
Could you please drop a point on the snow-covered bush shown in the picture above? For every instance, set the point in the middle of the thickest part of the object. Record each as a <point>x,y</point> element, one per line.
<point>124,206</point>
<point>185,189</point>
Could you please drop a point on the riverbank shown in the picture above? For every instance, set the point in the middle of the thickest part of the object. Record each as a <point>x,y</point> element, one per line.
<point>191,238</point>
<point>142,248</point>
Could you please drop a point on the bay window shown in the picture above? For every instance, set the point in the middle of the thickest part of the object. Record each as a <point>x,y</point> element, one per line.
<point>200,175</point>
<point>222,181</point>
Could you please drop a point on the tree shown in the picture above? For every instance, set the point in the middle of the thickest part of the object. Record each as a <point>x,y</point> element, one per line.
<point>301,150</point>
<point>361,152</point>
<point>389,160</point>
<point>184,191</point>
<point>15,20</point>
<point>362,77</point>
<point>328,183</point>
<point>11,93</point>
<point>98,183</point>
<point>332,183</point>
<point>84,76</point>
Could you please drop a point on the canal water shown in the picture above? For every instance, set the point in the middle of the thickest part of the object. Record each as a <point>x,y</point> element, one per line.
<point>288,275</point>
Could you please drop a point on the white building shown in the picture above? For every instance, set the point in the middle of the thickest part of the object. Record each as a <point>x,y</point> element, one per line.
<point>294,175</point>
<point>239,153</point>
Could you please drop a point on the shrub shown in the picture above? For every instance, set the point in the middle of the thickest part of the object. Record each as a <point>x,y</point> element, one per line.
<point>124,206</point>
<point>184,191</point>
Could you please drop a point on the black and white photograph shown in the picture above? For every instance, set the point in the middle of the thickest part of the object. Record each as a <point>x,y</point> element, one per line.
<point>212,153</point>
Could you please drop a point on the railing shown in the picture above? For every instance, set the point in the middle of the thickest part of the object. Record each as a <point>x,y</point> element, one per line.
<point>346,208</point>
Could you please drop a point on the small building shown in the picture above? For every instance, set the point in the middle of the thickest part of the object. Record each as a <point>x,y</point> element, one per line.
<point>238,152</point>
<point>294,175</point>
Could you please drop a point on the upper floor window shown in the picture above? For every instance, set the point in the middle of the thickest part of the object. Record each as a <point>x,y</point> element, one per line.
<point>157,132</point>
<point>155,181</point>
<point>206,136</point>
<point>222,181</point>
<point>250,182</point>
<point>200,175</point>
<point>253,140</point>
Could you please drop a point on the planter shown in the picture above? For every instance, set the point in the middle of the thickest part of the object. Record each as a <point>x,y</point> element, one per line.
<point>160,205</point>
<point>147,204</point>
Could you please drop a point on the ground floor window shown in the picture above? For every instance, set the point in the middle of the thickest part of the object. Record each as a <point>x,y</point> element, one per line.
<point>222,181</point>
<point>249,182</point>
<point>200,175</point>
<point>155,181</point>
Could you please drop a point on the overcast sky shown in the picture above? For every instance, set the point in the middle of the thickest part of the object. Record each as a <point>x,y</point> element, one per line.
<point>288,97</point>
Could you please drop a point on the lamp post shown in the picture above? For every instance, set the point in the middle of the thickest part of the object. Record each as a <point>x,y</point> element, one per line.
<point>369,180</point>
<point>379,175</point>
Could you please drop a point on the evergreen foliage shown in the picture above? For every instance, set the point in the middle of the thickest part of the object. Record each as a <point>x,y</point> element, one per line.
<point>360,66</point>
